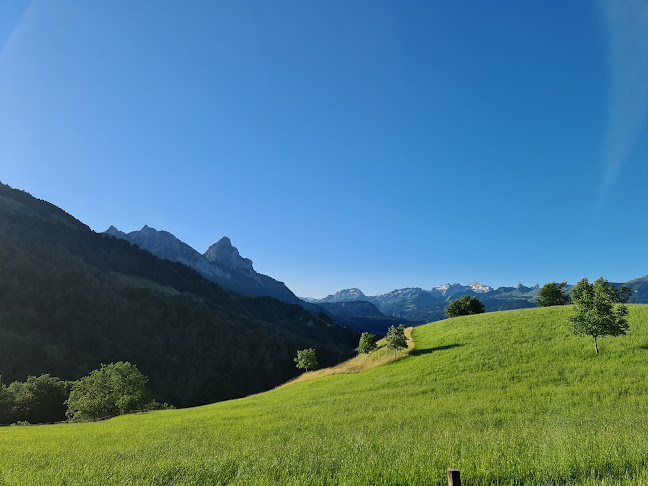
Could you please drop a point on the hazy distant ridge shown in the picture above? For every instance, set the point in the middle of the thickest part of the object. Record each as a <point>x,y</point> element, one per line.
<point>417,304</point>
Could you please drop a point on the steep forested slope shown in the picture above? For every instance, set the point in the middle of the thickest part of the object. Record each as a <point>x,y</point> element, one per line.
<point>71,299</point>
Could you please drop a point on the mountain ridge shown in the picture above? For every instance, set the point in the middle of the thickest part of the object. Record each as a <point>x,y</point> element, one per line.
<point>221,263</point>
<point>419,305</point>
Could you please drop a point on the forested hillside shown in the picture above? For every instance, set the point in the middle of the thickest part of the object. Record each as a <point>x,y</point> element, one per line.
<point>71,299</point>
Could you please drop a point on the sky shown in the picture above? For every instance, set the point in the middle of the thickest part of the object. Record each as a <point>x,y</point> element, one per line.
<point>370,144</point>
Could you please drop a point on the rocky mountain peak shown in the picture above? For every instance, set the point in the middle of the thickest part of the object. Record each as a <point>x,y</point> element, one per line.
<point>448,286</point>
<point>221,263</point>
<point>479,288</point>
<point>349,294</point>
<point>112,231</point>
<point>222,252</point>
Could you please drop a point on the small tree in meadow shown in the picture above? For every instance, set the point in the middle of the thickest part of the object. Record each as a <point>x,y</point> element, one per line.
<point>396,339</point>
<point>306,359</point>
<point>598,310</point>
<point>553,294</point>
<point>367,343</point>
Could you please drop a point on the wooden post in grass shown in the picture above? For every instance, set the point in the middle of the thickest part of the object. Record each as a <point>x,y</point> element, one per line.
<point>454,478</point>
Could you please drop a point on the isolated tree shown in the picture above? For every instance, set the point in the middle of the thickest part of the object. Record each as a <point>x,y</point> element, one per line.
<point>367,343</point>
<point>598,311</point>
<point>395,338</point>
<point>114,389</point>
<point>464,306</point>
<point>553,294</point>
<point>306,359</point>
<point>619,295</point>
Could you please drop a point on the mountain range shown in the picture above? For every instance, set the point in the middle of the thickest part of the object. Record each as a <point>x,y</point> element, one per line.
<point>418,305</point>
<point>223,265</point>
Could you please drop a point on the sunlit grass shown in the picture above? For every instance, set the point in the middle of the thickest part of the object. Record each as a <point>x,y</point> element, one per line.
<point>362,362</point>
<point>507,398</point>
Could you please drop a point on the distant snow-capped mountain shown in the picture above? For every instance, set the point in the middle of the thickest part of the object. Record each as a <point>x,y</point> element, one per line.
<point>416,304</point>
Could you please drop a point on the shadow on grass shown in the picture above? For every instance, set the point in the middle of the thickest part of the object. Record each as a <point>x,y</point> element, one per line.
<point>420,352</point>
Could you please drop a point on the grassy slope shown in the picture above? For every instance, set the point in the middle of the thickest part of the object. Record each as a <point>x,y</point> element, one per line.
<point>506,397</point>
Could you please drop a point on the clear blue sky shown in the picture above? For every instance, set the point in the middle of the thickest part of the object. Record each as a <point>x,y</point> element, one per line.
<point>343,144</point>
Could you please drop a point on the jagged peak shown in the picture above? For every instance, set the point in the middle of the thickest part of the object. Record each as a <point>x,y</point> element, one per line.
<point>224,241</point>
<point>224,252</point>
<point>448,285</point>
<point>112,231</point>
<point>222,246</point>
<point>477,287</point>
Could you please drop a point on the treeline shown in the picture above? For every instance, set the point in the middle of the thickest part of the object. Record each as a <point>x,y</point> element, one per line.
<point>112,390</point>
<point>37,400</point>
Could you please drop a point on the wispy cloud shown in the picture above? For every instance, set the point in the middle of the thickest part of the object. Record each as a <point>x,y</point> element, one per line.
<point>626,24</point>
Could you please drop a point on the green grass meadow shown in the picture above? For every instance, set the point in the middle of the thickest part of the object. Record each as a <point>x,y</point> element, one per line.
<point>507,398</point>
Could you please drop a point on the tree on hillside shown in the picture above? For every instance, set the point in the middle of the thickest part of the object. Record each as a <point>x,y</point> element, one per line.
<point>553,294</point>
<point>306,359</point>
<point>464,306</point>
<point>619,295</point>
<point>8,402</point>
<point>598,310</point>
<point>396,339</point>
<point>114,389</point>
<point>41,399</point>
<point>367,343</point>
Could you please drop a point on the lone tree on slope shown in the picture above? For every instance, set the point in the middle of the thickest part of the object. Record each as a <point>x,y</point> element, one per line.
<point>464,306</point>
<point>553,294</point>
<point>367,343</point>
<point>306,359</point>
<point>396,339</point>
<point>599,310</point>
